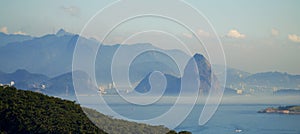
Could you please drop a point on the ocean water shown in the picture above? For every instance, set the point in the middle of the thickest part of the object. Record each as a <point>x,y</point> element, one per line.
<point>244,117</point>
<point>229,118</point>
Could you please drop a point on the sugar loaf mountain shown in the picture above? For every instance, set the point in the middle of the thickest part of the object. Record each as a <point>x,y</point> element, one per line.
<point>44,64</point>
<point>174,84</point>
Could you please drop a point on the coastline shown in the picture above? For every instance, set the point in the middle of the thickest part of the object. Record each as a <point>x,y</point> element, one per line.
<point>282,110</point>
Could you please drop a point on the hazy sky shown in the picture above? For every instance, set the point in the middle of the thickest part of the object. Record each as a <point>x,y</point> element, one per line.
<point>257,35</point>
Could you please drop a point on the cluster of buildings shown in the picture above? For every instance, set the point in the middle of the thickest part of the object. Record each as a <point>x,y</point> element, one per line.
<point>104,89</point>
<point>12,83</point>
<point>246,89</point>
<point>110,89</point>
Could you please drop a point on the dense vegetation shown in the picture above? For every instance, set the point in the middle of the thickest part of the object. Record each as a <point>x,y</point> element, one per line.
<point>290,108</point>
<point>182,132</point>
<point>118,126</point>
<point>30,112</point>
<point>282,110</point>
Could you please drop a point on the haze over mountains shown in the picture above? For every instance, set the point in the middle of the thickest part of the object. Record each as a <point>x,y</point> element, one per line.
<point>52,55</point>
<point>10,38</point>
<point>44,64</point>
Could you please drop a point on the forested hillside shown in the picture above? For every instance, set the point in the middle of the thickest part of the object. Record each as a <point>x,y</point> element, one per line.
<point>30,112</point>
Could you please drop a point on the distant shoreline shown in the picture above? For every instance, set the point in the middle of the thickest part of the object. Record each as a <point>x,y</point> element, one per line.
<point>282,110</point>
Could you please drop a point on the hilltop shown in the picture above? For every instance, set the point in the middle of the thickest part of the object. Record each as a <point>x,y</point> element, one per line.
<point>30,112</point>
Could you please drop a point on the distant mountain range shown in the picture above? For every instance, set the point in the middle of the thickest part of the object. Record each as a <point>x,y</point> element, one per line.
<point>62,85</point>
<point>52,55</point>
<point>38,82</point>
<point>275,79</point>
<point>23,79</point>
<point>44,64</point>
<point>49,55</point>
<point>11,38</point>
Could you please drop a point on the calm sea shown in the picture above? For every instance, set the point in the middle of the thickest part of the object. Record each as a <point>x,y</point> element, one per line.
<point>230,118</point>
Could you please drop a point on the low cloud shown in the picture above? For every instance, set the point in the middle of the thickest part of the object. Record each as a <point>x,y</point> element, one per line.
<point>294,38</point>
<point>203,33</point>
<point>71,10</point>
<point>235,34</point>
<point>274,32</point>
<point>4,30</point>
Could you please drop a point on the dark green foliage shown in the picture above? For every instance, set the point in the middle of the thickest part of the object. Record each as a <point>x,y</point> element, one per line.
<point>118,126</point>
<point>184,132</point>
<point>181,132</point>
<point>290,108</point>
<point>172,132</point>
<point>30,112</point>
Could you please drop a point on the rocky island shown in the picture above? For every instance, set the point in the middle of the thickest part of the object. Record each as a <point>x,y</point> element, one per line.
<point>282,110</point>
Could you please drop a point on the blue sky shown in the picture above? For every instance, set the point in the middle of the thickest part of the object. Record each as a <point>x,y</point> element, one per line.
<point>257,35</point>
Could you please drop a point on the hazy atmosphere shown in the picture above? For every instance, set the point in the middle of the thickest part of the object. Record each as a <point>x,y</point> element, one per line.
<point>150,67</point>
<point>257,36</point>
